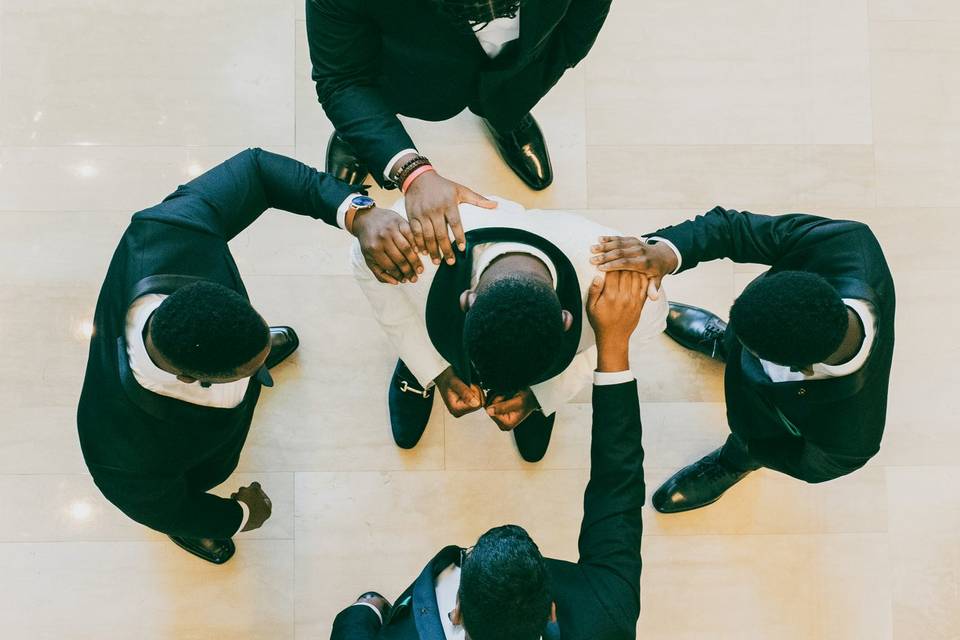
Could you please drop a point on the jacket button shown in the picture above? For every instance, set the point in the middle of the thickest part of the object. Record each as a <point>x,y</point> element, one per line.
<point>802,392</point>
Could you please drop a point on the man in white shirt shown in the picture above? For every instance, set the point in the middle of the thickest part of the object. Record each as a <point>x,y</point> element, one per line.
<point>808,348</point>
<point>502,588</point>
<point>502,327</point>
<point>429,60</point>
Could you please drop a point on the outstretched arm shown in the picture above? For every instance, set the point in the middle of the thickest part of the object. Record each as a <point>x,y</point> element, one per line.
<point>228,198</point>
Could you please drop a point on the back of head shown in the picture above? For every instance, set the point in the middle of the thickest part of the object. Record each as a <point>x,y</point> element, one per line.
<point>504,589</point>
<point>207,330</point>
<point>513,332</point>
<point>479,11</point>
<point>791,318</point>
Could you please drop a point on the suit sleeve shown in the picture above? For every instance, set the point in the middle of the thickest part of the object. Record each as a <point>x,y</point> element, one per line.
<point>569,43</point>
<point>166,505</point>
<point>761,239</point>
<point>612,522</point>
<point>803,460</point>
<point>355,623</point>
<point>345,52</point>
<point>228,198</point>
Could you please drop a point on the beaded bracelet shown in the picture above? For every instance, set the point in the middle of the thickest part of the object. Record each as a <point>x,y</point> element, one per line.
<point>408,168</point>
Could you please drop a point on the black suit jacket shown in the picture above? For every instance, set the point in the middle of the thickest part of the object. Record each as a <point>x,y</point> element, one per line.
<point>155,457</point>
<point>840,420</point>
<point>373,59</point>
<point>598,597</point>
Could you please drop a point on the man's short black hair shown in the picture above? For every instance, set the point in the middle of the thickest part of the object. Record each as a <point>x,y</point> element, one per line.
<point>792,318</point>
<point>205,329</point>
<point>513,332</point>
<point>504,587</point>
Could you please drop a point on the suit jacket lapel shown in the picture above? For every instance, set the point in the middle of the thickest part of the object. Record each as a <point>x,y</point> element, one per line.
<point>445,319</point>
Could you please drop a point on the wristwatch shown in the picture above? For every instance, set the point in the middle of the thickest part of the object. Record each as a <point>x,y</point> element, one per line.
<point>357,205</point>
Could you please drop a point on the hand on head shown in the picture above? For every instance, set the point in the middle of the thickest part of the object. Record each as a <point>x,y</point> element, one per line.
<point>614,304</point>
<point>432,206</point>
<point>388,245</point>
<point>621,253</point>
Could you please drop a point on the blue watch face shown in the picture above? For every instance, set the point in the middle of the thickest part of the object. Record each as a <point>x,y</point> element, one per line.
<point>363,202</point>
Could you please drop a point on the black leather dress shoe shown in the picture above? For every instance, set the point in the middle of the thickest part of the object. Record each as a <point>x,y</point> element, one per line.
<point>410,407</point>
<point>533,436</point>
<point>697,329</point>
<point>696,485</point>
<point>525,151</point>
<point>342,162</point>
<point>283,342</point>
<point>215,551</point>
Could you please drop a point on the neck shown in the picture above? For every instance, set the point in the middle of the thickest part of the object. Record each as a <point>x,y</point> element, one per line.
<point>514,264</point>
<point>852,341</point>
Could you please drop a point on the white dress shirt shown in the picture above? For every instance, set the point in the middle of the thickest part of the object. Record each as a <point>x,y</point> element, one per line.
<point>401,309</point>
<point>493,38</point>
<point>152,378</point>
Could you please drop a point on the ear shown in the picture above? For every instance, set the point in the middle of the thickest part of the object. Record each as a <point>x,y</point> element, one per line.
<point>455,616</point>
<point>467,298</point>
<point>187,379</point>
<point>553,611</point>
<point>567,319</point>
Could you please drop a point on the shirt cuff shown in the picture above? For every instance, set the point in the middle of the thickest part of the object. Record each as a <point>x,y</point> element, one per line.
<point>367,604</point>
<point>393,161</point>
<point>246,515</point>
<point>344,207</point>
<point>604,378</point>
<point>673,247</point>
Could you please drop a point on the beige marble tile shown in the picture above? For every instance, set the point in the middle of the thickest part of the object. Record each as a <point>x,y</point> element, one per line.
<point>731,74</point>
<point>328,409</point>
<point>914,10</point>
<point>97,178</point>
<point>915,91</point>
<point>744,177</point>
<point>39,439</point>
<point>150,590</point>
<point>199,73</point>
<point>70,508</point>
<point>766,586</point>
<point>925,552</point>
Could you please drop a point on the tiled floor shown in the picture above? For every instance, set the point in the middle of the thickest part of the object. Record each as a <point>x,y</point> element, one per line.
<point>846,108</point>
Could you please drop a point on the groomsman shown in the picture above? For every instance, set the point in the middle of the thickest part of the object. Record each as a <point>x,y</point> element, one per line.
<point>178,355</point>
<point>807,350</point>
<point>502,588</point>
<point>430,59</point>
<point>501,328</point>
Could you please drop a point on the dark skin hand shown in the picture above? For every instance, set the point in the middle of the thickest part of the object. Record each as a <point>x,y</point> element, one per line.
<point>614,304</point>
<point>388,245</point>
<point>621,253</point>
<point>431,202</point>
<point>258,503</point>
<point>376,600</point>
<point>459,397</point>
<point>508,413</point>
